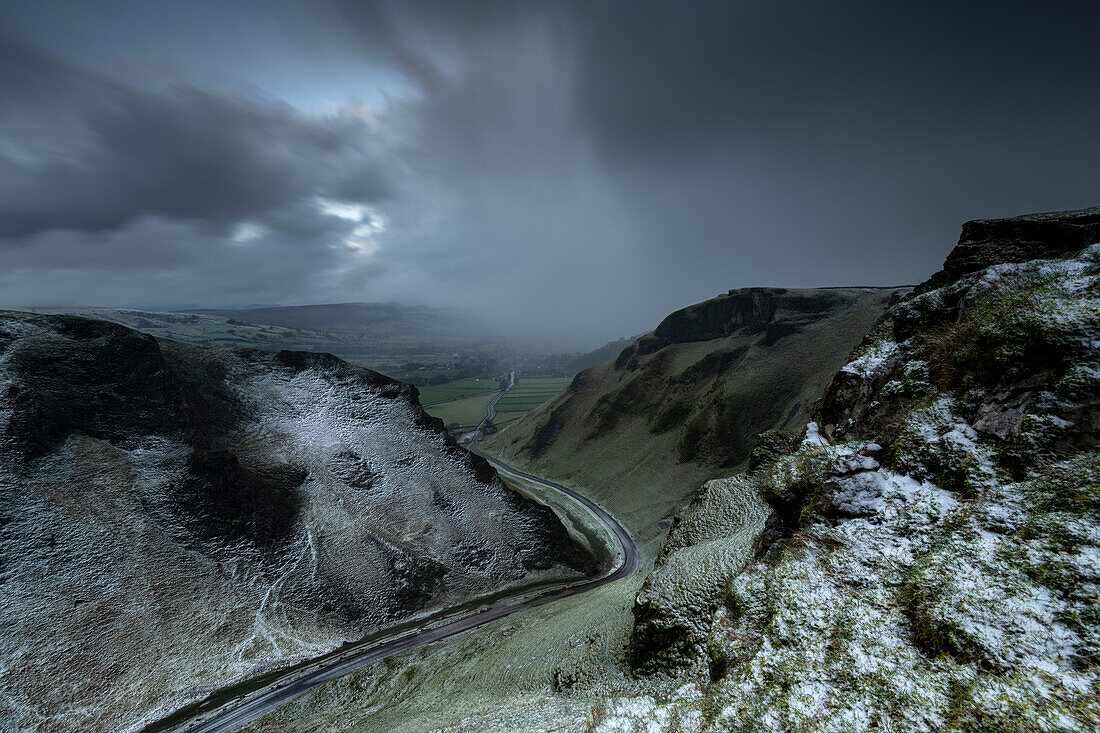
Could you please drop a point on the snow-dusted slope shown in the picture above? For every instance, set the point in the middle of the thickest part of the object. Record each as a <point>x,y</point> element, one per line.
<point>933,560</point>
<point>174,518</point>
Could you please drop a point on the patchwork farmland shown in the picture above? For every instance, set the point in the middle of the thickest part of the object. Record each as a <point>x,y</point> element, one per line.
<point>462,403</point>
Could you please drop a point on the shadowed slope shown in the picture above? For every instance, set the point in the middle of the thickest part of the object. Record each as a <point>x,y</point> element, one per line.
<point>684,403</point>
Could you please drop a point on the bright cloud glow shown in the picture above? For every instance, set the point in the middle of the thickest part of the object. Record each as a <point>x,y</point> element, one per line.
<point>363,240</point>
<point>343,209</point>
<point>247,231</point>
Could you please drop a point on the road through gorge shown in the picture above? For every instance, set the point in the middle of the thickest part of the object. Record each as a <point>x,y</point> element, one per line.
<point>236,706</point>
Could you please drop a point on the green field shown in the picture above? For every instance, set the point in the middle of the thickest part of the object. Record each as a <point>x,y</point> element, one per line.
<point>459,388</point>
<point>467,412</point>
<point>530,393</point>
<point>503,417</point>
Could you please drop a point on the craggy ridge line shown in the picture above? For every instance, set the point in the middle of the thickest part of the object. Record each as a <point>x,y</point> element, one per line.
<point>277,693</point>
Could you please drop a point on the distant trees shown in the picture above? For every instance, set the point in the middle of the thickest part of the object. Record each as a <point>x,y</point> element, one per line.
<point>438,372</point>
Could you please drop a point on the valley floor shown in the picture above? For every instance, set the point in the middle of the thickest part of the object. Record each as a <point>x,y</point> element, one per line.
<point>600,533</point>
<point>550,668</point>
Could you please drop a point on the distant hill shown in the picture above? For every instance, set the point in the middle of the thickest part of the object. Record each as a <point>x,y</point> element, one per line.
<point>381,319</point>
<point>413,343</point>
<point>593,358</point>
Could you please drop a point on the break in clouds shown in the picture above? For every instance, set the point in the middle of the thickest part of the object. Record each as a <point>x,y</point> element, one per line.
<point>573,170</point>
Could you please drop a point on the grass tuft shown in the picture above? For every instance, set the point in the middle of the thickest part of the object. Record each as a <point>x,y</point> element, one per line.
<point>1004,333</point>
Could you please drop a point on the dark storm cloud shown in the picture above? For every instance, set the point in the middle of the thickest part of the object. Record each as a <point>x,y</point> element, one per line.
<point>30,79</point>
<point>568,167</point>
<point>183,154</point>
<point>118,195</point>
<point>189,155</point>
<point>655,79</point>
<point>650,78</point>
<point>163,262</point>
<point>695,147</point>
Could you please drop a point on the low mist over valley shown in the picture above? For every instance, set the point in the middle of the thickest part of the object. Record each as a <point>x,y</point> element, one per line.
<point>470,366</point>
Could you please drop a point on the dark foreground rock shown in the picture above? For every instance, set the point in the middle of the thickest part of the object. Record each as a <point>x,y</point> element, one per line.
<point>930,560</point>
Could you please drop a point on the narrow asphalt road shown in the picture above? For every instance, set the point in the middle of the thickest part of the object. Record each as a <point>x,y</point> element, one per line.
<point>490,413</point>
<point>233,717</point>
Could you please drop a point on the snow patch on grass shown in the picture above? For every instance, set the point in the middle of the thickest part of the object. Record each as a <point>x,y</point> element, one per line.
<point>872,359</point>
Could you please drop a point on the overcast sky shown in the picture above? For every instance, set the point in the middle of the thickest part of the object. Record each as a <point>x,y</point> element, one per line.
<point>574,168</point>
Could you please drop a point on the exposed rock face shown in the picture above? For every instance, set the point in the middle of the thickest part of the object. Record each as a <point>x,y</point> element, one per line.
<point>778,311</point>
<point>684,404</point>
<point>751,309</point>
<point>673,611</point>
<point>989,325</point>
<point>173,517</point>
<point>986,242</point>
<point>932,561</point>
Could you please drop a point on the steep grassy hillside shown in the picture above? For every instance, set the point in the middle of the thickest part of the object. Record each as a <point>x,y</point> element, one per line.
<point>685,403</point>
<point>172,518</point>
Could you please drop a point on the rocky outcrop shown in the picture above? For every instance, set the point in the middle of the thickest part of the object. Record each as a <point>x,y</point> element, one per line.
<point>930,560</point>
<point>172,517</point>
<point>989,325</point>
<point>777,311</point>
<point>105,381</point>
<point>986,242</point>
<point>709,543</point>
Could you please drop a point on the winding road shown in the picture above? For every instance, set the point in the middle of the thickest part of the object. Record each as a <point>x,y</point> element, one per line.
<point>490,413</point>
<point>233,715</point>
